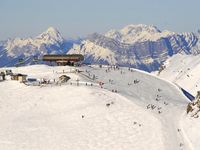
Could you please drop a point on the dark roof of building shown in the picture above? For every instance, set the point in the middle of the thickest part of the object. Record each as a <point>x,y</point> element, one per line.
<point>19,74</point>
<point>66,57</point>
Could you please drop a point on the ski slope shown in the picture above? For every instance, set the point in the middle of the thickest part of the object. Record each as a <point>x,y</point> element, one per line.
<point>183,70</point>
<point>144,113</point>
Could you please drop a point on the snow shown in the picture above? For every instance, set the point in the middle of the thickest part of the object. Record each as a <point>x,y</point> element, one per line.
<point>184,71</point>
<point>90,117</point>
<point>192,132</point>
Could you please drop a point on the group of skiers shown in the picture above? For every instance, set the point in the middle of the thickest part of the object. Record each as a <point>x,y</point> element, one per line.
<point>134,123</point>
<point>112,68</point>
<point>152,107</point>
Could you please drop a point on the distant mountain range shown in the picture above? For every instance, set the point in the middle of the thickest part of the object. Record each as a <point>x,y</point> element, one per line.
<point>49,42</point>
<point>140,46</point>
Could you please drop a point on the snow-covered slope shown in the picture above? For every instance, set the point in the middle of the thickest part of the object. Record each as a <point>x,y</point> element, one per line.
<point>140,46</point>
<point>143,113</point>
<point>183,70</point>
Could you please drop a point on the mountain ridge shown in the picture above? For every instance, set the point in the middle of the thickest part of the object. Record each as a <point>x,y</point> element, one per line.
<point>140,46</point>
<point>48,42</point>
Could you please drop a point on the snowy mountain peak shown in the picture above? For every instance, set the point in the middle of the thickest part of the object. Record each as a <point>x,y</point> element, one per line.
<point>52,30</point>
<point>50,35</point>
<point>137,33</point>
<point>139,28</point>
<point>49,41</point>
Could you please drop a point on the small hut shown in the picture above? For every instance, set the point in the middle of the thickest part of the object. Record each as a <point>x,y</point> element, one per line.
<point>2,76</point>
<point>19,77</point>
<point>64,78</point>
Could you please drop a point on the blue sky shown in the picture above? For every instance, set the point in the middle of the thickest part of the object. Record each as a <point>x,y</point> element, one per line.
<point>24,18</point>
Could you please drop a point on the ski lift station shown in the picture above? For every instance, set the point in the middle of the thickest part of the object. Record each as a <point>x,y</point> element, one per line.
<point>63,60</point>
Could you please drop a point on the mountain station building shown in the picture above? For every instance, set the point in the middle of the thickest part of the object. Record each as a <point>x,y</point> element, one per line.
<point>63,60</point>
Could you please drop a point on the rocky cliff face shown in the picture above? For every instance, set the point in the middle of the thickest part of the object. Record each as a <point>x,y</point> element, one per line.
<point>140,46</point>
<point>193,108</point>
